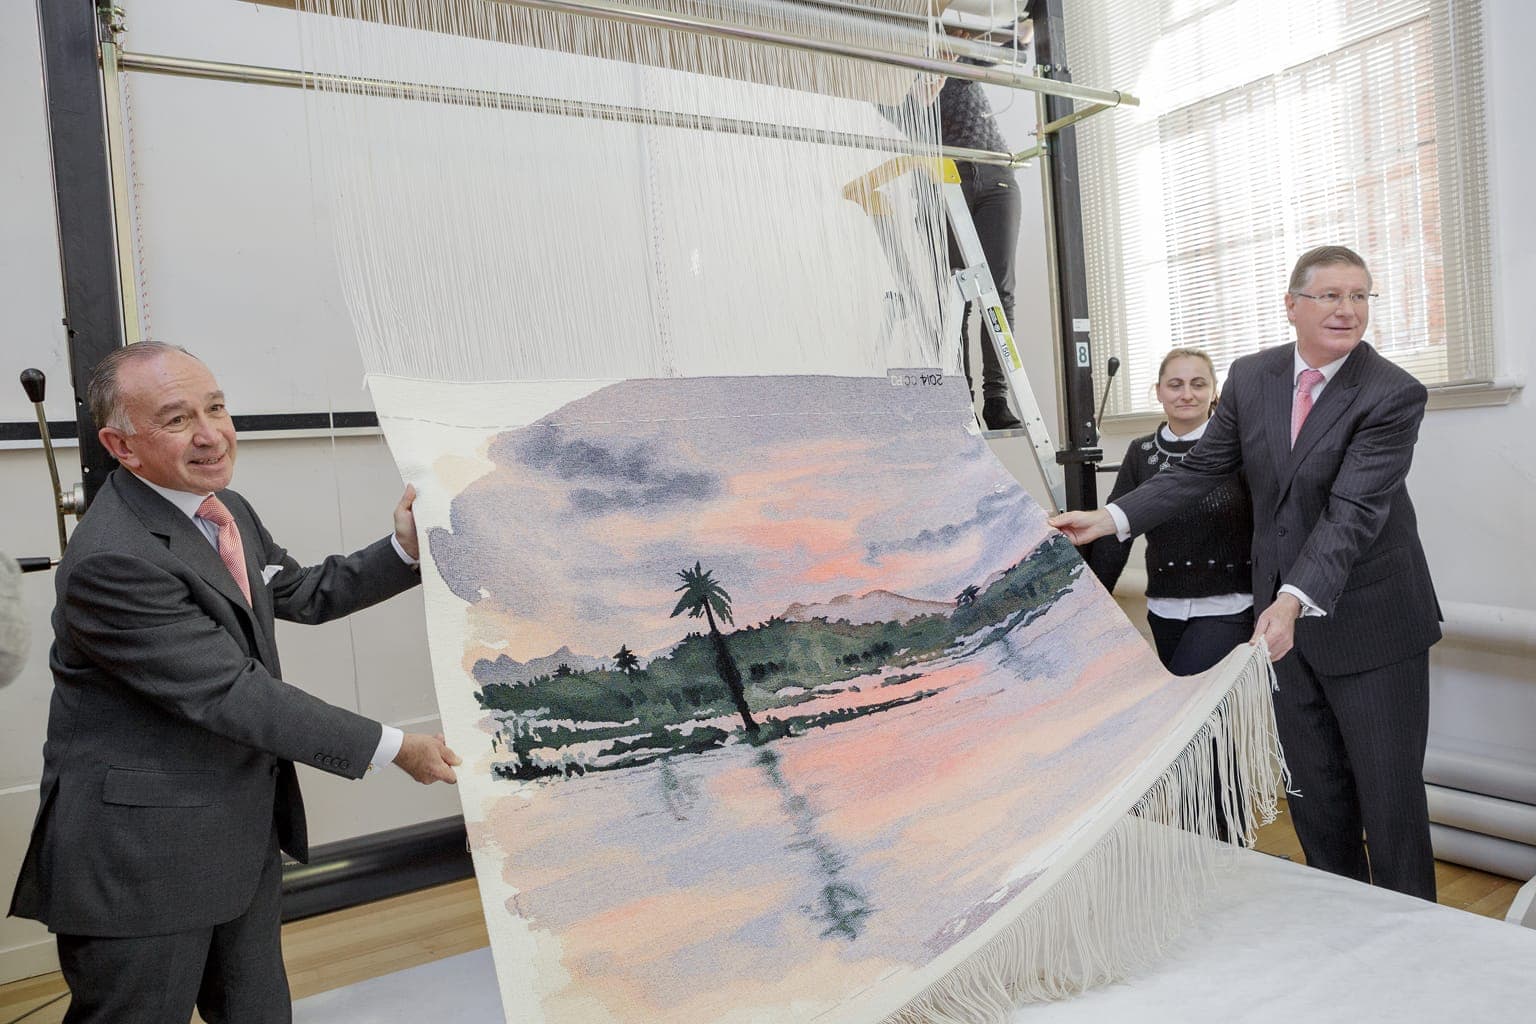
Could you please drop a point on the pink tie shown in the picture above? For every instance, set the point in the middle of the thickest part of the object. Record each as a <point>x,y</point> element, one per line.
<point>231,550</point>
<point>1310,378</point>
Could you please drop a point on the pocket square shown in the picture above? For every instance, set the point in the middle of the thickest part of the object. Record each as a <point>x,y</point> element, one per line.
<point>269,572</point>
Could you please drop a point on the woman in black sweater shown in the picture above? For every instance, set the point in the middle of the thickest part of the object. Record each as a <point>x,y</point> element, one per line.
<point>1199,563</point>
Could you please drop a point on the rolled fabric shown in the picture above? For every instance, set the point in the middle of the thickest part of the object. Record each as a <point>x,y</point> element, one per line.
<point>14,636</point>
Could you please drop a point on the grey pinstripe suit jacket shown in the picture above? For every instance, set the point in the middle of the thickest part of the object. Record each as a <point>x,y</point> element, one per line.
<point>1331,516</point>
<point>171,735</point>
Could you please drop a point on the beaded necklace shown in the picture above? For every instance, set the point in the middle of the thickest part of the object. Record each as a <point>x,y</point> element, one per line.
<point>1155,448</point>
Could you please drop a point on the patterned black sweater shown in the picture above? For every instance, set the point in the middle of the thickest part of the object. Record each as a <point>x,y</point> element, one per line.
<point>966,118</point>
<point>1202,552</point>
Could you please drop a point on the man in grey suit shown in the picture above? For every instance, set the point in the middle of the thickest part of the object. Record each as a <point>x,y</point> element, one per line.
<point>168,774</point>
<point>1324,430</point>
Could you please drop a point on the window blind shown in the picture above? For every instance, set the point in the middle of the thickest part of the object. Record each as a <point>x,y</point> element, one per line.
<point>1267,129</point>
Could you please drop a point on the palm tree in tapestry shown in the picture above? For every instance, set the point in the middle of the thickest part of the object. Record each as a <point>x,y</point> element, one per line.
<point>625,660</point>
<point>704,597</point>
<point>967,596</point>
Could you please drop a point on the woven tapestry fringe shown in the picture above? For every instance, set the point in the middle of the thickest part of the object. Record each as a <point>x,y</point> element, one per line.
<point>1113,911</point>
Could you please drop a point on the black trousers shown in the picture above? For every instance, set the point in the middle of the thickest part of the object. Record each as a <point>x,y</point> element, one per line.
<point>992,194</point>
<point>1355,747</point>
<point>1190,646</point>
<point>233,972</point>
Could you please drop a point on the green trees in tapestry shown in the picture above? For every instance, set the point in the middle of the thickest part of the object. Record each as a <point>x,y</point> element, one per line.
<point>800,674</point>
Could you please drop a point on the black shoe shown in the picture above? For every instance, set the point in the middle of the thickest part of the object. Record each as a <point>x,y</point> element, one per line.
<point>997,416</point>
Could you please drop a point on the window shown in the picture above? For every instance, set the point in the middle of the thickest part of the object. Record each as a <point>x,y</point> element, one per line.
<point>1265,129</point>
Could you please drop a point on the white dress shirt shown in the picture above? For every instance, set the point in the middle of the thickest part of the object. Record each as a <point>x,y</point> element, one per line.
<point>188,503</point>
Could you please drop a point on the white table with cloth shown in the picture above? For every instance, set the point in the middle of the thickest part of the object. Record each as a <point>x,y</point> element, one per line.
<point>1274,941</point>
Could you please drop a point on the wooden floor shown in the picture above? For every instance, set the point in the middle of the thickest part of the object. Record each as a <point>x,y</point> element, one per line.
<point>324,952</point>
<point>349,946</point>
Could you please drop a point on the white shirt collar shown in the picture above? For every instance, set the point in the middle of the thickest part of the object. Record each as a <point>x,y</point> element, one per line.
<point>1193,435</point>
<point>1327,369</point>
<point>186,501</point>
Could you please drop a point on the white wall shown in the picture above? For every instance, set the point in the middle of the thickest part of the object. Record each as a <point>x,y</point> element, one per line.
<point>1474,477</point>
<point>238,269</point>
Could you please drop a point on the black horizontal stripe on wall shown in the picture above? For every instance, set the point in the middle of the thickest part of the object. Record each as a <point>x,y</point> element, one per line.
<point>60,430</point>
<point>259,423</point>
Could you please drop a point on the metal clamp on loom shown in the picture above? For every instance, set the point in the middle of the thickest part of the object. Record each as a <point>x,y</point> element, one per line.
<point>73,503</point>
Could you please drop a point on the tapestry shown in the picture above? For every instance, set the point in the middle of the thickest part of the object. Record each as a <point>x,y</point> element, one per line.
<point>777,697</point>
<point>14,638</point>
<point>779,701</point>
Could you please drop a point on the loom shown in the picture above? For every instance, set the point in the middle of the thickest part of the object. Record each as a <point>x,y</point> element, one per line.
<point>602,343</point>
<point>94,309</point>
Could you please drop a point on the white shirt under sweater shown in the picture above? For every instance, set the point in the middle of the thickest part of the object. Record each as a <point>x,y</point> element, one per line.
<point>188,503</point>
<point>1123,527</point>
<point>1186,608</point>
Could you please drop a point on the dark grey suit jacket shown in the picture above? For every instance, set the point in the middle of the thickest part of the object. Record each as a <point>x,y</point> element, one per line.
<point>171,735</point>
<point>1331,516</point>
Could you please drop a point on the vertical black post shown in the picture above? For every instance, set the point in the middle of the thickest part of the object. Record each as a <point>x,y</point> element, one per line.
<point>82,185</point>
<point>1071,272</point>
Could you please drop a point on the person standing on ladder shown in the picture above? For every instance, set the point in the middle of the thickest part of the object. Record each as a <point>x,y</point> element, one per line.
<point>992,195</point>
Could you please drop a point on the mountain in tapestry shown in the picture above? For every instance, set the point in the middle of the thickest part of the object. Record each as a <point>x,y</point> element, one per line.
<point>510,671</point>
<point>875,606</point>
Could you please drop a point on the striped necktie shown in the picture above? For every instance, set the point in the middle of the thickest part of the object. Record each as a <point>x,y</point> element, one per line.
<point>1302,404</point>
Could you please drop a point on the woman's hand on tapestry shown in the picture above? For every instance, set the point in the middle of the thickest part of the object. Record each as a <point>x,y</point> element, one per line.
<point>1084,527</point>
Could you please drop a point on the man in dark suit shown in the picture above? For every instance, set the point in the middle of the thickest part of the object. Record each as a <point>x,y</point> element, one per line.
<point>168,774</point>
<point>1324,430</point>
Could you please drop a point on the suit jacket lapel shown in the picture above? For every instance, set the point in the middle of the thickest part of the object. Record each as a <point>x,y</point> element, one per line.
<point>183,538</point>
<point>1279,384</point>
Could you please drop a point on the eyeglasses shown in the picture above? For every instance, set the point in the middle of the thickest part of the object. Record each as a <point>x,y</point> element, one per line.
<point>1334,298</point>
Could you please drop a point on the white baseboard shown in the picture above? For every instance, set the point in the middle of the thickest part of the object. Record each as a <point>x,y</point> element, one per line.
<point>29,960</point>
